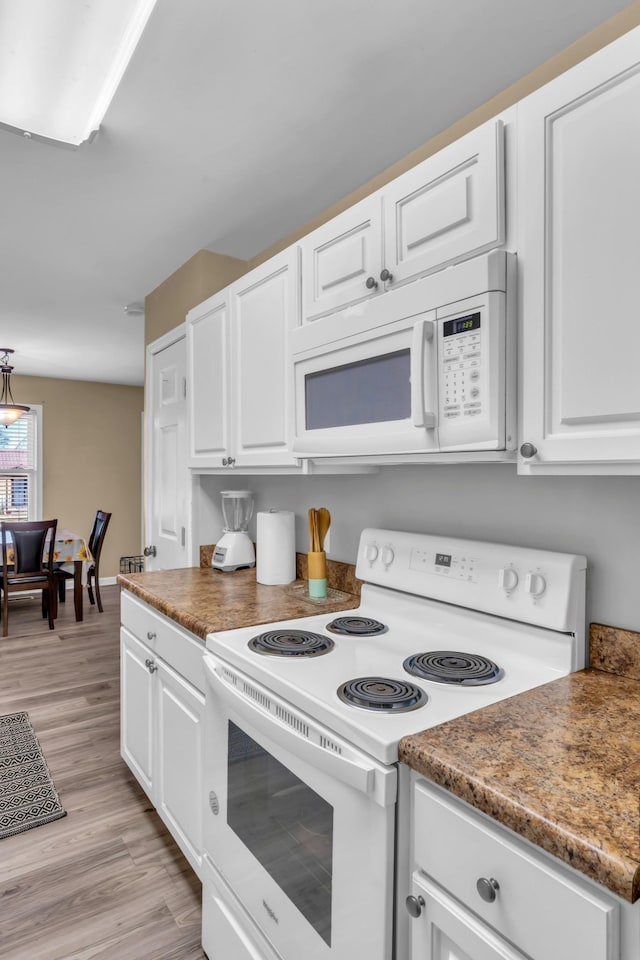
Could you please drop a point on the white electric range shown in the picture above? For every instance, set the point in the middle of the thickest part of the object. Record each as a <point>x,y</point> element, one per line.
<point>304,717</point>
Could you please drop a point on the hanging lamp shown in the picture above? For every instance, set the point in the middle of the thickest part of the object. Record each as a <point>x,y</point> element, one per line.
<point>9,410</point>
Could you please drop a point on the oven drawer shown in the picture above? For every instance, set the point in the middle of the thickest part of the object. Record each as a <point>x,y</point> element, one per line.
<point>228,933</point>
<point>548,912</point>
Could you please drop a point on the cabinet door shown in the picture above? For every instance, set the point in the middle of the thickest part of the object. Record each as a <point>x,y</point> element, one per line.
<point>208,360</point>
<point>136,709</point>
<point>167,479</point>
<point>448,208</point>
<point>178,788</point>
<point>579,250</point>
<point>340,256</point>
<point>446,931</point>
<point>264,309</point>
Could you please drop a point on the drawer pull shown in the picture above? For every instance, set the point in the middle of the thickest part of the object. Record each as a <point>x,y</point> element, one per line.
<point>488,889</point>
<point>414,906</point>
<point>150,635</point>
<point>151,666</point>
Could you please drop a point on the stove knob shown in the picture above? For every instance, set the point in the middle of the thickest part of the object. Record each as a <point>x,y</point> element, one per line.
<point>387,556</point>
<point>508,579</point>
<point>371,552</point>
<point>535,584</point>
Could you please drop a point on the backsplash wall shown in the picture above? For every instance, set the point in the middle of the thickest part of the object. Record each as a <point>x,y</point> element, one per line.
<point>595,516</point>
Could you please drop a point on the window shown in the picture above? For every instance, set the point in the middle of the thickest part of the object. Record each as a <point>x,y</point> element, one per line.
<point>20,468</point>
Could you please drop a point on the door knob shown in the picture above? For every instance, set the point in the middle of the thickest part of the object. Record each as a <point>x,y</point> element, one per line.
<point>386,276</point>
<point>371,283</point>
<point>150,551</point>
<point>151,666</point>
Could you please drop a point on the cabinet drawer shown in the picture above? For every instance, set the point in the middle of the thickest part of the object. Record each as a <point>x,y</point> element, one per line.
<point>538,905</point>
<point>175,646</point>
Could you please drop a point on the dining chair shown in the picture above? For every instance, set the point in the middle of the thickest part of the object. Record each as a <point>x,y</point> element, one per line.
<point>96,539</point>
<point>31,568</point>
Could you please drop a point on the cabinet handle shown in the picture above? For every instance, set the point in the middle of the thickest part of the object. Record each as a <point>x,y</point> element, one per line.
<point>228,461</point>
<point>527,450</point>
<point>150,551</point>
<point>386,276</point>
<point>414,906</point>
<point>487,888</point>
<point>150,635</point>
<point>371,283</point>
<point>151,666</point>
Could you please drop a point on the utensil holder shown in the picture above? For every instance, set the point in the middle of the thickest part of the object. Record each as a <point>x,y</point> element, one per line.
<point>317,571</point>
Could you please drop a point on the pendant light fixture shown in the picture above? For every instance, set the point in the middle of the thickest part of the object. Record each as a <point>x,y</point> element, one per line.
<point>9,411</point>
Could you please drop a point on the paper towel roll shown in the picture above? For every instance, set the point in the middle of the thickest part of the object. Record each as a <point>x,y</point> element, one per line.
<point>276,547</point>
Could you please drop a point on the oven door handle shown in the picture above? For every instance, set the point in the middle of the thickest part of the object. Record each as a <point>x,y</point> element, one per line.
<point>423,333</point>
<point>365,776</point>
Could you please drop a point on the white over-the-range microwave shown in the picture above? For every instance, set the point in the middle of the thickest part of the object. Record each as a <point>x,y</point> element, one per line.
<point>425,368</point>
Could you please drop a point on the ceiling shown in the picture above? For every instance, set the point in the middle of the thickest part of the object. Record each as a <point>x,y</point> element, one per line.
<point>236,122</point>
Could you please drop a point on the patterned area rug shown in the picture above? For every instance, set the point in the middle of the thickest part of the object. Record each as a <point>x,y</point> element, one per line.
<point>28,797</point>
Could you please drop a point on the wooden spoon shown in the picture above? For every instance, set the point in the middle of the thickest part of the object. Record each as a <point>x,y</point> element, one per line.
<point>313,530</point>
<point>324,522</point>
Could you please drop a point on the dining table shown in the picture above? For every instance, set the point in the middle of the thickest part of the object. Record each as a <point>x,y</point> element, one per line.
<point>69,548</point>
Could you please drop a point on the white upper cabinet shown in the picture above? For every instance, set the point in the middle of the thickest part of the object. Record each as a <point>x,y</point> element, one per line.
<point>341,260</point>
<point>448,208</point>
<point>264,308</point>
<point>240,402</point>
<point>579,253</point>
<point>208,358</point>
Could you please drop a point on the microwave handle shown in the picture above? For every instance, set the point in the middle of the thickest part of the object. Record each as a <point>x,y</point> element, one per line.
<point>423,331</point>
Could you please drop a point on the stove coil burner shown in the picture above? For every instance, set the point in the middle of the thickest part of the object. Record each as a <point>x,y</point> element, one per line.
<point>357,626</point>
<point>450,666</point>
<point>382,695</point>
<point>291,643</point>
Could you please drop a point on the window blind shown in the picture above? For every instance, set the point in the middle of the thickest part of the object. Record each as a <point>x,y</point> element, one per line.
<point>18,465</point>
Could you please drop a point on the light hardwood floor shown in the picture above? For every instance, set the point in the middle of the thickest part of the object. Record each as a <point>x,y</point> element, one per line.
<point>106,882</point>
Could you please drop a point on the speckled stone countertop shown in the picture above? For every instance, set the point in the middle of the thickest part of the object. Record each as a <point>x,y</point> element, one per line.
<point>559,765</point>
<point>203,600</point>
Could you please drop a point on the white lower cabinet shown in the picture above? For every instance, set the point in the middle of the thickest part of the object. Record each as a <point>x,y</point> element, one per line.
<point>162,711</point>
<point>479,892</point>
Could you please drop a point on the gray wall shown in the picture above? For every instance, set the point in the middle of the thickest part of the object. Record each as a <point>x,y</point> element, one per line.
<point>594,516</point>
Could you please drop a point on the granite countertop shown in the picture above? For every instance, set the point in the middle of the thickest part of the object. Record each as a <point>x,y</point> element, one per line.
<point>203,600</point>
<point>559,764</point>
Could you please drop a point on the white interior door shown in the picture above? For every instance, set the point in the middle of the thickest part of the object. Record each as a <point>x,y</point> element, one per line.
<point>167,473</point>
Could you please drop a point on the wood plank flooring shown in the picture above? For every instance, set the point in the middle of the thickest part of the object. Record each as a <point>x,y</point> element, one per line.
<point>106,882</point>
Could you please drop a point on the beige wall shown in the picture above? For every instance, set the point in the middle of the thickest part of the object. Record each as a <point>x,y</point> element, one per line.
<point>200,277</point>
<point>91,458</point>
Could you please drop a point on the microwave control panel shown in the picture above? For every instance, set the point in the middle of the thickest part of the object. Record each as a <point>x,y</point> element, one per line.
<point>462,393</point>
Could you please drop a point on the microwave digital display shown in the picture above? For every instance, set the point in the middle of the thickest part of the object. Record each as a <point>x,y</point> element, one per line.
<point>461,325</point>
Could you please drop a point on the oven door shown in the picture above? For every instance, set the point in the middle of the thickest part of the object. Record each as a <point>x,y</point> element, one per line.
<point>371,393</point>
<point>298,823</point>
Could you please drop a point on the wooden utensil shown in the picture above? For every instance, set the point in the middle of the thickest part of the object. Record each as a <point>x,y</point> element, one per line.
<point>324,522</point>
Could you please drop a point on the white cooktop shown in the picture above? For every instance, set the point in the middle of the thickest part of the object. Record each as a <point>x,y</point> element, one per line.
<point>528,653</point>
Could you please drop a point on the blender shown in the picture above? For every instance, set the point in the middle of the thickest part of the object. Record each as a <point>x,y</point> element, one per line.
<point>235,549</point>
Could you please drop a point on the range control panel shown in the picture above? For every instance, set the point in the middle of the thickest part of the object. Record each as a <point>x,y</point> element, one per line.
<point>540,587</point>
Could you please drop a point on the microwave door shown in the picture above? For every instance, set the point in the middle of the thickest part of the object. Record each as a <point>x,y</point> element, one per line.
<point>369,395</point>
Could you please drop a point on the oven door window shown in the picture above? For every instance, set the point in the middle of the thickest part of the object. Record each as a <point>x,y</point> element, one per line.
<point>375,390</point>
<point>287,827</point>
